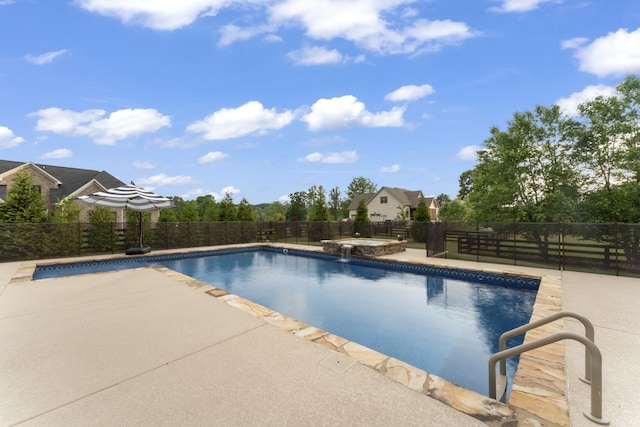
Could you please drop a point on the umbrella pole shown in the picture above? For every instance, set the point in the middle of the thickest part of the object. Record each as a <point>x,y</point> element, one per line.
<point>140,228</point>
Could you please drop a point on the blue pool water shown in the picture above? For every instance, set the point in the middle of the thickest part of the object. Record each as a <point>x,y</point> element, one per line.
<point>444,321</point>
<point>444,326</point>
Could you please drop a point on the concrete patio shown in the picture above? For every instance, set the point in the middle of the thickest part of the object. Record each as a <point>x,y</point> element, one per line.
<point>138,347</point>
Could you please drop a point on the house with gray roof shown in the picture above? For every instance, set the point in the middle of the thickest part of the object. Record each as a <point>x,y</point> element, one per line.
<point>57,183</point>
<point>388,203</point>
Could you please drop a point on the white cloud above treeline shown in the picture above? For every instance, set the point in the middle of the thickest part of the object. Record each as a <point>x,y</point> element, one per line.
<point>250,118</point>
<point>468,153</point>
<point>569,105</point>
<point>508,6</point>
<point>45,58</point>
<point>163,179</point>
<point>212,156</point>
<point>376,26</point>
<point>8,139</point>
<point>615,54</point>
<point>346,111</point>
<point>61,153</point>
<point>333,157</point>
<point>95,124</point>
<point>409,93</point>
<point>390,169</point>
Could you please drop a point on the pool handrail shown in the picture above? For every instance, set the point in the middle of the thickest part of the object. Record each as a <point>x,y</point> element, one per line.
<point>589,333</point>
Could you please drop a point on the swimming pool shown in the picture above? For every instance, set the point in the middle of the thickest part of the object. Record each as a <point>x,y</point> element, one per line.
<point>444,321</point>
<point>445,326</point>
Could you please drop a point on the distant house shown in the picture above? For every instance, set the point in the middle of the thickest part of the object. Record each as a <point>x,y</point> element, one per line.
<point>388,203</point>
<point>56,183</point>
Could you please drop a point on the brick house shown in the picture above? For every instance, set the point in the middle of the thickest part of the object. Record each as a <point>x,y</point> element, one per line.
<point>57,183</point>
<point>385,205</point>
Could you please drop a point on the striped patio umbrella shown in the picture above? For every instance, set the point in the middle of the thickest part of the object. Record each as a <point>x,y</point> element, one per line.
<point>128,197</point>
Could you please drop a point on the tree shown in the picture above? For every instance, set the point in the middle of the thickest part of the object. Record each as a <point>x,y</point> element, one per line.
<point>189,211</point>
<point>167,215</point>
<point>297,210</point>
<point>362,223</point>
<point>360,185</point>
<point>316,198</point>
<point>245,212</point>
<point>207,210</point>
<point>464,181</point>
<point>335,202</point>
<point>275,211</point>
<point>443,199</point>
<point>420,218</point>
<point>453,211</point>
<point>24,202</point>
<point>526,171</point>
<point>67,210</point>
<point>600,144</point>
<point>178,205</point>
<point>228,211</point>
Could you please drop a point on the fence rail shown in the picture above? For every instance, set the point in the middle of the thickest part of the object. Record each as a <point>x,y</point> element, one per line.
<point>598,248</point>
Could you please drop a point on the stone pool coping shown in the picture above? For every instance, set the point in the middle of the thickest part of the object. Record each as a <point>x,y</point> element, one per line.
<point>539,393</point>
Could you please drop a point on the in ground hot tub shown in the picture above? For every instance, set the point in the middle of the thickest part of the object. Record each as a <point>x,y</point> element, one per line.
<point>364,247</point>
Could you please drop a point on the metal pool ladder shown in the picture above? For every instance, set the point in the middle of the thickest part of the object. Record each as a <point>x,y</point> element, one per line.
<point>592,362</point>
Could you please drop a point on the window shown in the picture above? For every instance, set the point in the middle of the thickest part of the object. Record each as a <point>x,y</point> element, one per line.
<point>383,199</point>
<point>38,188</point>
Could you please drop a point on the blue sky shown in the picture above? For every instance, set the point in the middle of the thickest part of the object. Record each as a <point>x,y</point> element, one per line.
<point>262,98</point>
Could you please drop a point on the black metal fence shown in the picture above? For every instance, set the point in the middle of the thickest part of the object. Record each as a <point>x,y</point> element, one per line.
<point>597,248</point>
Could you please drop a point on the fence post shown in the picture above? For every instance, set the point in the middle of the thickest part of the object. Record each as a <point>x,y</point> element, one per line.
<point>615,229</point>
<point>561,247</point>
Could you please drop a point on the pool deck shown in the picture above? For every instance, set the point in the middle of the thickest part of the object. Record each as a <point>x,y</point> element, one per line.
<point>138,347</point>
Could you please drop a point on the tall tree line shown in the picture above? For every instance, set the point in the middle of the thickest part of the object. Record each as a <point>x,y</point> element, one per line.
<point>549,167</point>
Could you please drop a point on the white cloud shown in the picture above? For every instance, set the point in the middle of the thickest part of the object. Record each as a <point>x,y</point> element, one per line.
<point>467,153</point>
<point>159,15</point>
<point>315,55</point>
<point>346,111</point>
<point>615,54</point>
<point>386,27</point>
<point>119,125</point>
<point>162,179</point>
<point>45,58</point>
<point>212,156</point>
<point>390,169</point>
<point>6,2</point>
<point>8,139</point>
<point>518,5</point>
<point>367,24</point>
<point>232,33</point>
<point>409,93</point>
<point>143,165</point>
<point>60,153</point>
<point>573,43</point>
<point>247,119</point>
<point>569,105</point>
<point>230,189</point>
<point>335,157</point>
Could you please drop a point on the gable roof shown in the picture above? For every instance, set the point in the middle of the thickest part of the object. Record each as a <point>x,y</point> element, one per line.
<point>70,179</point>
<point>404,197</point>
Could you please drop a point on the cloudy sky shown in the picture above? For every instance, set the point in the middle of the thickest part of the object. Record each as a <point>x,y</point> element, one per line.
<point>262,98</point>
